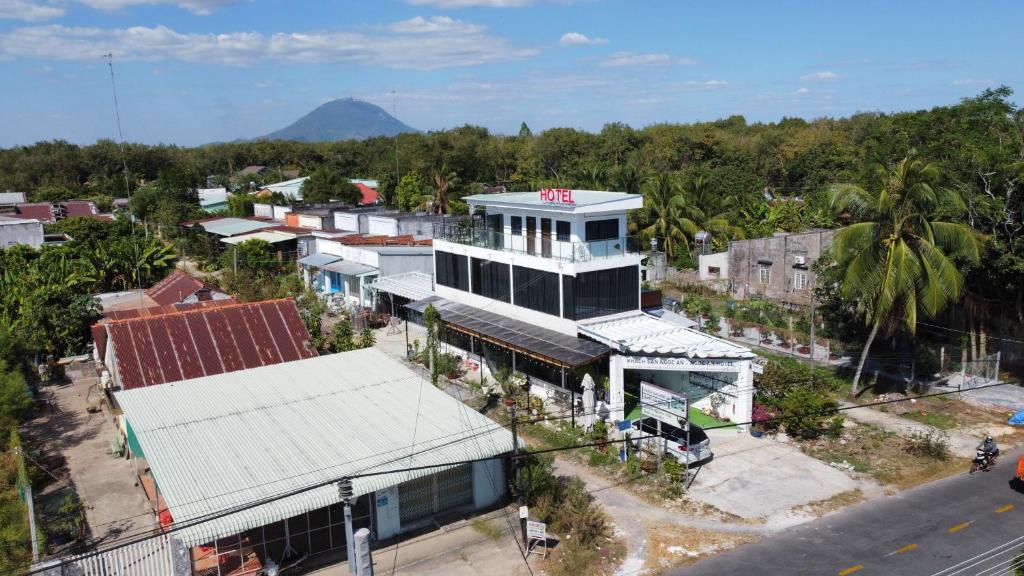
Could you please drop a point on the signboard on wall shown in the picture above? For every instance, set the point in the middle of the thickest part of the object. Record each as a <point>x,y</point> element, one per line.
<point>681,364</point>
<point>662,404</point>
<point>557,196</point>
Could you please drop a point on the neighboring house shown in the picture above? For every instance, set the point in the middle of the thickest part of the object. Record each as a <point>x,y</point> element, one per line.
<point>42,211</point>
<point>777,267</point>
<point>253,170</point>
<point>201,341</point>
<point>369,195</point>
<point>179,287</point>
<point>14,230</point>
<point>10,200</point>
<point>218,443</point>
<point>213,199</point>
<point>77,209</point>
<point>270,211</point>
<point>417,225</point>
<point>230,226</point>
<point>290,188</point>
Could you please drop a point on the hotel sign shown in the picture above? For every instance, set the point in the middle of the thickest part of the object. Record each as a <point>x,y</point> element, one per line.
<point>557,196</point>
<point>661,404</point>
<point>680,364</point>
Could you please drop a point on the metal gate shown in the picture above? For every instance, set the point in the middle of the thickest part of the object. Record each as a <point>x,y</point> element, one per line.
<point>429,495</point>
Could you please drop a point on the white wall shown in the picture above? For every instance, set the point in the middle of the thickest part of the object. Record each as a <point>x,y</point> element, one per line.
<point>263,210</point>
<point>353,253</point>
<point>382,225</point>
<point>280,211</point>
<point>718,260</point>
<point>346,221</point>
<point>488,482</point>
<point>314,222</point>
<point>388,522</point>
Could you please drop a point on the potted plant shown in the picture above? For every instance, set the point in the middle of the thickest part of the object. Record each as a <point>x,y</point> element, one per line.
<point>737,328</point>
<point>759,418</point>
<point>805,344</point>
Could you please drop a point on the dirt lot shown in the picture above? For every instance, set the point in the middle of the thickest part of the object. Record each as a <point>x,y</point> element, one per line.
<point>885,456</point>
<point>677,546</point>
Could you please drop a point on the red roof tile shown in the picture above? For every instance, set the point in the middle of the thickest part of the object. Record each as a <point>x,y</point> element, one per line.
<point>40,211</point>
<point>206,341</point>
<point>176,288</point>
<point>369,194</point>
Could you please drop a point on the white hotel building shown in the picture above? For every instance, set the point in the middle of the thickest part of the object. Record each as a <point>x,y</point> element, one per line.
<point>549,282</point>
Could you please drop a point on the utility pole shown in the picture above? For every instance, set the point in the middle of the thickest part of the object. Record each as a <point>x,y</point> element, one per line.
<point>515,447</point>
<point>812,332</point>
<point>345,492</point>
<point>394,112</point>
<point>234,258</point>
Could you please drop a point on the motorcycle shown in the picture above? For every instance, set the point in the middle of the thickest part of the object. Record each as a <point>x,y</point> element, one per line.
<point>983,461</point>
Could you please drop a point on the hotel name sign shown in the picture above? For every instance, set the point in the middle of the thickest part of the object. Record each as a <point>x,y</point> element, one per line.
<point>684,364</point>
<point>562,196</point>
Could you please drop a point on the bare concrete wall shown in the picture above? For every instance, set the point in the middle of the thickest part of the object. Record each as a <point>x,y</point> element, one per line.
<point>771,267</point>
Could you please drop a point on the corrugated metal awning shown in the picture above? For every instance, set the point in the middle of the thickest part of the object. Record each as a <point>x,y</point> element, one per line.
<point>536,341</point>
<point>349,268</point>
<point>318,260</point>
<point>411,285</point>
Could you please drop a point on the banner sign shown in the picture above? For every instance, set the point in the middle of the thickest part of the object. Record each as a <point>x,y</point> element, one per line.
<point>682,364</point>
<point>536,530</point>
<point>663,405</point>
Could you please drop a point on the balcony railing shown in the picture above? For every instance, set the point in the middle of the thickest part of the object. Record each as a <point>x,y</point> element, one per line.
<point>553,248</point>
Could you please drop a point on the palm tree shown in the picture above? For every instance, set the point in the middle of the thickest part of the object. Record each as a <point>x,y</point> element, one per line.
<point>669,215</point>
<point>593,177</point>
<point>443,179</point>
<point>719,223</point>
<point>897,260</point>
<point>628,179</point>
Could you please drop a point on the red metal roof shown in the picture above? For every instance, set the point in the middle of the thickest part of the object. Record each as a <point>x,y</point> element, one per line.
<point>369,194</point>
<point>77,208</point>
<point>40,211</point>
<point>175,288</point>
<point>207,341</point>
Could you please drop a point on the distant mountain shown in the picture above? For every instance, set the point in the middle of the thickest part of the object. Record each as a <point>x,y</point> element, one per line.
<point>342,119</point>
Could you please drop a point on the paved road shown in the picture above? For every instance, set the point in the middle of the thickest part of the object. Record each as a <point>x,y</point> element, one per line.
<point>964,525</point>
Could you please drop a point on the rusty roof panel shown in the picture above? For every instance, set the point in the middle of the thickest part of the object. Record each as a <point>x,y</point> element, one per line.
<point>176,287</point>
<point>203,341</point>
<point>177,308</point>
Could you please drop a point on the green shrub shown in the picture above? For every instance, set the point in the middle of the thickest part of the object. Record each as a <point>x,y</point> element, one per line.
<point>804,412</point>
<point>835,427</point>
<point>932,445</point>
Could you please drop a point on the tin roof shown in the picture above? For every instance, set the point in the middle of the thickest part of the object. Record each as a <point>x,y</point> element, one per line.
<point>205,341</point>
<point>41,211</point>
<point>639,332</point>
<point>225,441</point>
<point>176,287</point>
<point>411,285</point>
<point>369,194</point>
<point>12,197</point>
<point>233,226</point>
<point>271,236</point>
<point>79,208</point>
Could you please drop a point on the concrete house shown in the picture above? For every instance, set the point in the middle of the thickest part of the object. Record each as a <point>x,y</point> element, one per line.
<point>777,267</point>
<point>15,230</point>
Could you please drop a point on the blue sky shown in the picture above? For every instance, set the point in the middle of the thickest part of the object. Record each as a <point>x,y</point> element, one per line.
<point>195,71</point>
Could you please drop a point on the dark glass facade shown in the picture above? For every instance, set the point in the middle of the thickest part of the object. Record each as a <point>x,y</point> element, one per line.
<point>491,279</point>
<point>602,292</point>
<point>452,270</point>
<point>536,290</point>
<point>602,229</point>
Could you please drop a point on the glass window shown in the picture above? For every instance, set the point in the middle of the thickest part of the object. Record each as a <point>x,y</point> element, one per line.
<point>602,229</point>
<point>452,270</point>
<point>800,280</point>
<point>536,290</point>
<point>517,225</point>
<point>765,275</point>
<point>491,279</point>
<point>604,292</point>
<point>562,231</point>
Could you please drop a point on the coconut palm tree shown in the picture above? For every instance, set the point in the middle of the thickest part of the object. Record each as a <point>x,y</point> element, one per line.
<point>593,177</point>
<point>628,179</point>
<point>669,214</point>
<point>897,259</point>
<point>444,179</point>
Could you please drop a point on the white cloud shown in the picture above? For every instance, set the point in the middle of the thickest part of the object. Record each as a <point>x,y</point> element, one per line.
<point>820,76</point>
<point>472,3</point>
<point>802,91</point>
<point>197,6</point>
<point>972,82</point>
<point>578,39</point>
<point>632,59</point>
<point>28,11</point>
<point>413,44</point>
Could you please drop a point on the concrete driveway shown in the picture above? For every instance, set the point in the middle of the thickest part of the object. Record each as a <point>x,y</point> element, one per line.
<point>764,479</point>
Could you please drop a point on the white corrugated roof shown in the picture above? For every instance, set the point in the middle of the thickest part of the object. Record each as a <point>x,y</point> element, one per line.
<point>222,441</point>
<point>234,226</point>
<point>272,236</point>
<point>640,332</point>
<point>411,285</point>
<point>156,556</point>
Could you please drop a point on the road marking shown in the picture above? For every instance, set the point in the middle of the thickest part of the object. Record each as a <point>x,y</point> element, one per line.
<point>851,570</point>
<point>959,527</point>
<point>1006,508</point>
<point>906,548</point>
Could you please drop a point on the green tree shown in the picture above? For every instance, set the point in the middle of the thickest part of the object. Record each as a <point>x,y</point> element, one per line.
<point>670,216</point>
<point>253,256</point>
<point>443,179</point>
<point>524,131</point>
<point>897,260</point>
<point>432,321</point>
<point>410,191</point>
<point>342,337</point>
<point>240,205</point>
<point>15,401</point>
<point>366,338</point>
<point>326,184</point>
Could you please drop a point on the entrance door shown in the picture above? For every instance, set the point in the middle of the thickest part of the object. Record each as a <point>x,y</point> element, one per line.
<point>545,237</point>
<point>531,233</point>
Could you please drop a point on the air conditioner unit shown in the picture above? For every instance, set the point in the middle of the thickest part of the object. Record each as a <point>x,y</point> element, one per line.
<point>799,260</point>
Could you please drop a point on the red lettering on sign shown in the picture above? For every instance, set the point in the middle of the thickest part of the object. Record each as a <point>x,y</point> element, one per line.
<point>557,196</point>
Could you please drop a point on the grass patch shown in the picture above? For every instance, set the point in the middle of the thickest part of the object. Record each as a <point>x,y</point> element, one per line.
<point>485,528</point>
<point>835,502</point>
<point>939,420</point>
<point>887,457</point>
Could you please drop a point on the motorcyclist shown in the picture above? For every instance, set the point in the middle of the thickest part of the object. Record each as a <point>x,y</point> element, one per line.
<point>988,446</point>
